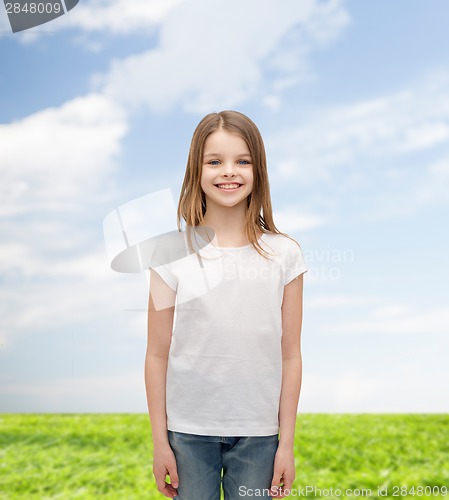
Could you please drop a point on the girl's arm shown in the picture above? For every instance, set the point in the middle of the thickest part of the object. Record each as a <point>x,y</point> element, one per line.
<point>160,325</point>
<point>161,306</point>
<point>284,465</point>
<point>291,361</point>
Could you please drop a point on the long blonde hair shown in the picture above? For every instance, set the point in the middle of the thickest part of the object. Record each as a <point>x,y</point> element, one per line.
<point>192,200</point>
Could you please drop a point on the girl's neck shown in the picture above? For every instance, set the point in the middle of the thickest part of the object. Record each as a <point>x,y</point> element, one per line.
<point>228,225</point>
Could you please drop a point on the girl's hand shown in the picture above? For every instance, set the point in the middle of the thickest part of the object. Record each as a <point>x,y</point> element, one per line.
<point>284,472</point>
<point>164,462</point>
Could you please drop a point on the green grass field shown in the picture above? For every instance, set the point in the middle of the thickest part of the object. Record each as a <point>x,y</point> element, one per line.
<point>51,456</point>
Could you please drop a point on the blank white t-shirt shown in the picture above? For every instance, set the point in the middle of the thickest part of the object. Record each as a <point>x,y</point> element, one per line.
<point>224,369</point>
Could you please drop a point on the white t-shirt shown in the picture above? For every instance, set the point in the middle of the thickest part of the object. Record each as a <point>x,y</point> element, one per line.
<point>224,369</point>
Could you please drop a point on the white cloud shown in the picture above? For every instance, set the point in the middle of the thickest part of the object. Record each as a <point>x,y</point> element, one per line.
<point>272,102</point>
<point>383,391</point>
<point>29,259</point>
<point>372,151</point>
<point>118,16</point>
<point>75,292</point>
<point>433,188</point>
<point>56,171</point>
<point>393,310</point>
<point>325,302</point>
<point>55,158</point>
<point>214,54</point>
<point>78,394</point>
<point>292,218</point>
<point>399,320</point>
<point>340,136</point>
<point>424,136</point>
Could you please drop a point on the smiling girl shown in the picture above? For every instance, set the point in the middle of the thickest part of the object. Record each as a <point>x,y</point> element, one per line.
<point>223,386</point>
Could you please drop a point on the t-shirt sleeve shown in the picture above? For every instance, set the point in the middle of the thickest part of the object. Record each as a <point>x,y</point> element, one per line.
<point>165,274</point>
<point>162,261</point>
<point>294,262</point>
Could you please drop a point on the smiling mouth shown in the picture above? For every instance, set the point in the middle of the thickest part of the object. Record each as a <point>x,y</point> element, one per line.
<point>225,187</point>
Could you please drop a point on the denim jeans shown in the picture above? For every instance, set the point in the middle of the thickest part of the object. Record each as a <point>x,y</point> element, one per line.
<point>243,465</point>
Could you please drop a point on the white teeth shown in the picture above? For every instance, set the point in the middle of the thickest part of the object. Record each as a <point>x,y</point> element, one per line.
<point>228,186</point>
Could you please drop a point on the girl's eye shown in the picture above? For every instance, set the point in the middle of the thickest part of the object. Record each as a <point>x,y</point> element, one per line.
<point>211,162</point>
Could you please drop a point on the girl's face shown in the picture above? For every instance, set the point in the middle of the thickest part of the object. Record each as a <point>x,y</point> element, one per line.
<point>226,162</point>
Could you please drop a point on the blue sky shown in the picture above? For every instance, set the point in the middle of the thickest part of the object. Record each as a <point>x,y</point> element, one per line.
<point>98,107</point>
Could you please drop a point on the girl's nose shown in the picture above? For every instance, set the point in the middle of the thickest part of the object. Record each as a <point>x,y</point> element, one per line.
<point>229,166</point>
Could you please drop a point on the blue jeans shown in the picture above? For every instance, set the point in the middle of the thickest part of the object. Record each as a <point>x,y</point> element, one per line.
<point>247,464</point>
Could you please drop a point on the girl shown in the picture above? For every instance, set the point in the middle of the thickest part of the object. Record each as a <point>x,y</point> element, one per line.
<point>223,387</point>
